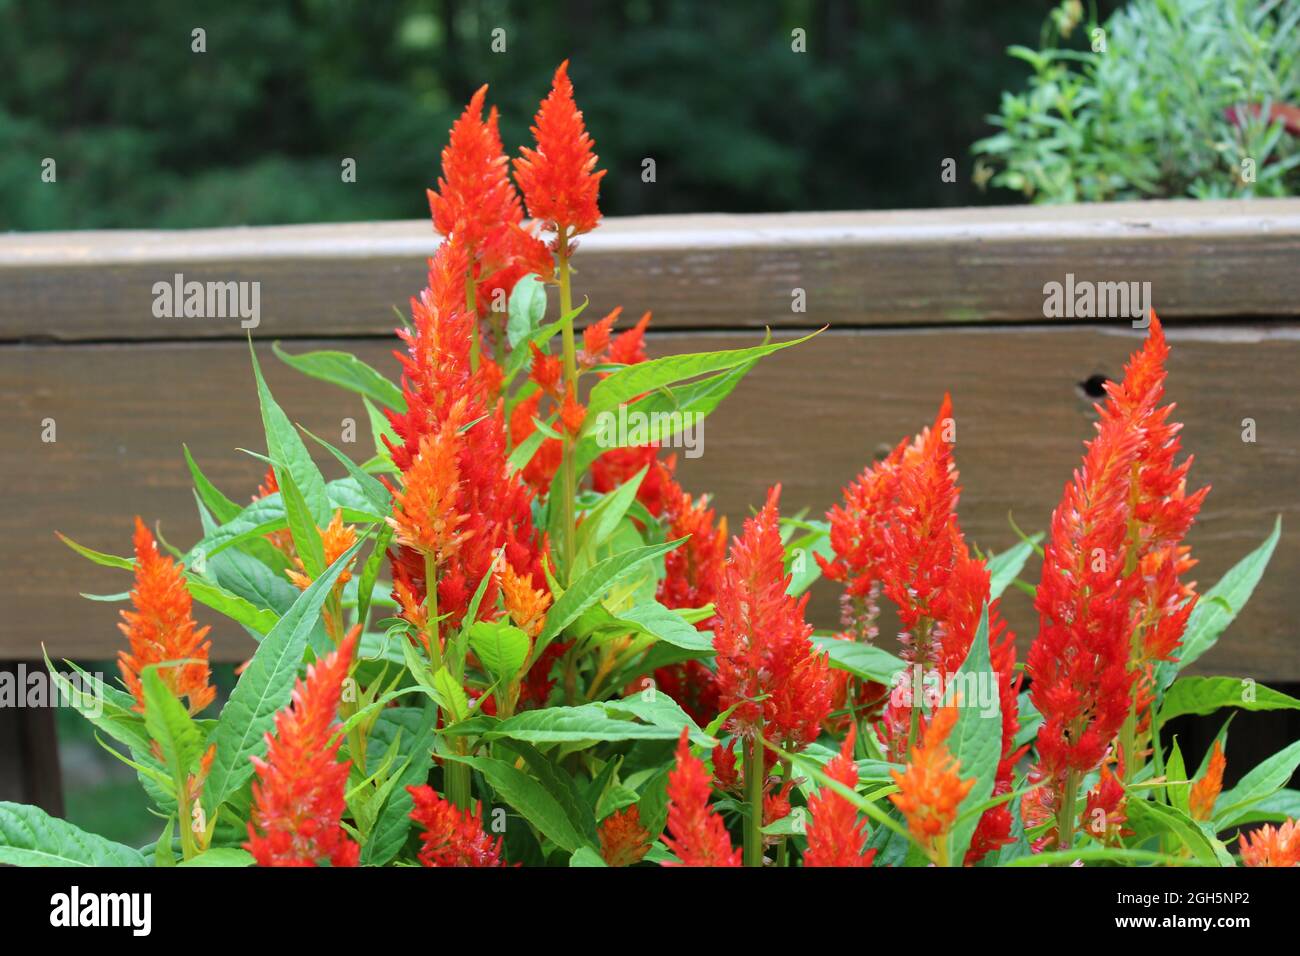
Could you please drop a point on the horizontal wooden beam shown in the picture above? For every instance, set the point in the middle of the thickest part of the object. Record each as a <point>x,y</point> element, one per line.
<point>1217,259</point>
<point>810,417</point>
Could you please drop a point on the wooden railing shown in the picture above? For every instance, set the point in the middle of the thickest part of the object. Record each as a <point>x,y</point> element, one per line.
<point>917,303</point>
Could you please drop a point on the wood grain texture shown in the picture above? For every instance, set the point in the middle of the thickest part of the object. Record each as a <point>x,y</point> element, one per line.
<point>810,417</point>
<point>858,269</point>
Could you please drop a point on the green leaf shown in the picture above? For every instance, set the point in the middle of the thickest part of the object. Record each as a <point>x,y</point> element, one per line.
<point>231,605</point>
<point>976,739</point>
<point>585,723</point>
<point>1146,816</point>
<point>381,427</point>
<point>666,625</point>
<point>221,856</point>
<point>1205,695</point>
<point>285,448</point>
<point>347,371</point>
<point>31,837</point>
<point>1177,784</point>
<point>863,661</point>
<point>1006,566</point>
<point>451,693</point>
<point>306,531</point>
<point>1219,606</point>
<point>171,727</point>
<point>586,856</point>
<point>394,820</point>
<point>265,687</point>
<point>529,798</point>
<point>560,785</point>
<point>99,557</point>
<point>370,572</point>
<point>634,381</point>
<point>657,708</point>
<point>500,646</point>
<point>1268,777</point>
<point>377,496</point>
<point>527,308</point>
<point>593,583</point>
<point>217,503</point>
<point>601,520</point>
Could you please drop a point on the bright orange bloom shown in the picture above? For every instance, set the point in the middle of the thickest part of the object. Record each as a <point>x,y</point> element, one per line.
<point>762,642</point>
<point>541,468</point>
<point>698,835</point>
<point>1272,846</point>
<point>595,339</point>
<point>930,790</point>
<point>623,841</point>
<point>452,836</point>
<point>559,178</point>
<point>425,515</point>
<point>1103,814</point>
<point>525,604</point>
<point>572,413</point>
<point>1205,792</point>
<point>836,834</point>
<point>336,538</point>
<point>161,628</point>
<point>298,796</point>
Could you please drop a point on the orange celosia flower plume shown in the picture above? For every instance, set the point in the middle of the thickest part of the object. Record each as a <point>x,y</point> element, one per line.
<point>559,179</point>
<point>623,841</point>
<point>298,796</point>
<point>161,628</point>
<point>1272,846</point>
<point>697,834</point>
<point>1205,791</point>
<point>836,834</point>
<point>930,788</point>
<point>762,642</point>
<point>451,836</point>
<point>336,538</point>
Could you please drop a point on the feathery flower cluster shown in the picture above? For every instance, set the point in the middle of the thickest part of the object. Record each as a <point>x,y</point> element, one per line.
<point>559,179</point>
<point>1272,846</point>
<point>161,628</point>
<point>451,836</point>
<point>335,538</point>
<point>1205,791</point>
<point>298,796</point>
<point>929,787</point>
<point>762,642</point>
<point>836,835</point>
<point>623,840</point>
<point>698,836</point>
<point>1110,601</point>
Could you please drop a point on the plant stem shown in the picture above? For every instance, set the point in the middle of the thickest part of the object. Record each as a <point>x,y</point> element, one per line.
<point>753,765</point>
<point>431,609</point>
<point>1065,816</point>
<point>569,464</point>
<point>471,307</point>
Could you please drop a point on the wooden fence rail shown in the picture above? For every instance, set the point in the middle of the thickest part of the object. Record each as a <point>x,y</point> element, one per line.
<point>918,303</point>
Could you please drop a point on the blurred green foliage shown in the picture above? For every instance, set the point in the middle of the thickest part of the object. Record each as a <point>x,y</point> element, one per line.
<point>147,133</point>
<point>1167,98</point>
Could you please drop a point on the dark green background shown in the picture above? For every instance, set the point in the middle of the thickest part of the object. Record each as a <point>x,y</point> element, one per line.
<point>147,133</point>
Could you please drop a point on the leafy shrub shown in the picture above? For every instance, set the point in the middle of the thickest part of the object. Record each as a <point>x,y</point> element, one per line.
<point>1189,98</point>
<point>572,667</point>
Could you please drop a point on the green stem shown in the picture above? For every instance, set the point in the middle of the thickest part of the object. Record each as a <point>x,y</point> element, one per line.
<point>431,610</point>
<point>1065,816</point>
<point>471,307</point>
<point>569,463</point>
<point>753,765</point>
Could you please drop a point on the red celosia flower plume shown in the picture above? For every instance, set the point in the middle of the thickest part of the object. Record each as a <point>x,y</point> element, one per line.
<point>161,628</point>
<point>836,835</point>
<point>451,836</point>
<point>1272,846</point>
<point>623,841</point>
<point>930,790</point>
<point>482,507</point>
<point>1103,814</point>
<point>1110,601</point>
<point>762,642</point>
<point>559,179</point>
<point>298,796</point>
<point>697,834</point>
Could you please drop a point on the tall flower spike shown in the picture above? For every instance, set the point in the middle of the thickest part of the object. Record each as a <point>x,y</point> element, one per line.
<point>762,641</point>
<point>451,836</point>
<point>161,628</point>
<point>298,796</point>
<point>559,179</point>
<point>835,833</point>
<point>929,787</point>
<point>698,836</point>
<point>1205,791</point>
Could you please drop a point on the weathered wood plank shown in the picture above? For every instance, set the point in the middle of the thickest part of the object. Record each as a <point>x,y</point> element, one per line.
<point>1203,259</point>
<point>810,417</point>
